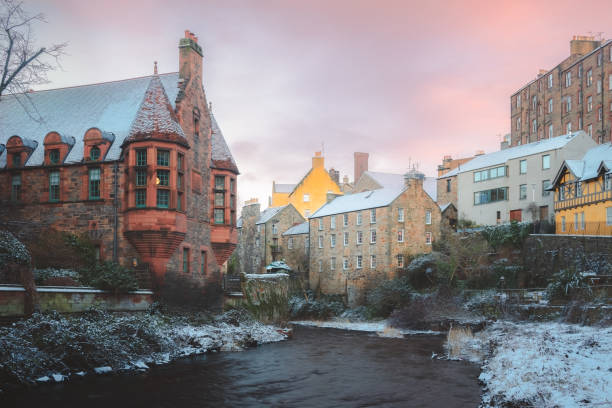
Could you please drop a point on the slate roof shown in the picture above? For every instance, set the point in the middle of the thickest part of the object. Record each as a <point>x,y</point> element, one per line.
<point>502,156</point>
<point>267,214</point>
<point>221,155</point>
<point>283,188</point>
<point>430,184</point>
<point>359,201</point>
<point>302,228</point>
<point>591,164</point>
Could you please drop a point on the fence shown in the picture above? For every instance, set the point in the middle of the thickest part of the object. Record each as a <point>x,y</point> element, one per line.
<point>571,227</point>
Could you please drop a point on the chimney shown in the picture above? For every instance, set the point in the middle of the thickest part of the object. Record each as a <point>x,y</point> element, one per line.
<point>583,44</point>
<point>335,175</point>
<point>251,201</point>
<point>331,196</point>
<point>414,178</point>
<point>479,152</point>
<point>318,161</point>
<point>345,180</point>
<point>190,59</point>
<point>251,209</point>
<point>361,164</point>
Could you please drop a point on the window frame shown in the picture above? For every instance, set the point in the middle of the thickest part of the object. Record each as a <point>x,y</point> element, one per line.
<point>93,184</point>
<point>54,189</point>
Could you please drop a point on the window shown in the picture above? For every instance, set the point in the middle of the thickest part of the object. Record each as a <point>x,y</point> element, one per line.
<point>563,223</point>
<point>589,104</point>
<point>534,102</point>
<point>550,131</point>
<point>550,105</point>
<point>590,130</point>
<point>320,265</point>
<point>320,241</point>
<point>518,124</point>
<point>580,97</point>
<point>576,225</point>
<point>332,222</point>
<point>608,182</point>
<point>518,100</point>
<point>16,187</point>
<point>345,220</point>
<point>54,186</point>
<point>180,159</point>
<point>275,228</point>
<point>448,185</point>
<point>599,58</point>
<point>400,235</point>
<point>523,192</point>
<point>546,161</point>
<point>610,82</point>
<point>598,86</point>
<point>490,196</point>
<point>306,198</point>
<point>332,263</point>
<point>179,182</point>
<point>163,198</point>
<point>17,160</point>
<point>400,261</point>
<point>320,224</point>
<point>359,261</point>
<point>203,262</point>
<point>372,261</point>
<point>568,127</point>
<point>599,113</point>
<point>609,216</point>
<point>579,188</point>
<point>568,79</point>
<point>359,237</point>
<point>94,153</point>
<point>580,71</point>
<point>534,126</point>
<point>428,217</point>
<point>428,238</point>
<point>141,177</point>
<point>163,158</point>
<point>359,218</point>
<point>219,216</point>
<point>372,236</point>
<point>373,216</point>
<point>163,178</point>
<point>332,240</point>
<point>400,215</point>
<point>568,104</point>
<point>141,197</point>
<point>545,186</point>
<point>94,184</point>
<point>523,167</point>
<point>582,221</point>
<point>185,260</point>
<point>550,80</point>
<point>290,243</point>
<point>589,78</point>
<point>483,175</point>
<point>345,263</point>
<point>54,156</point>
<point>141,157</point>
<point>346,238</point>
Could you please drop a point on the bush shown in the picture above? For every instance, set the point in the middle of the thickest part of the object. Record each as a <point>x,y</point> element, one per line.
<point>55,249</point>
<point>44,276</point>
<point>110,276</point>
<point>568,283</point>
<point>488,277</point>
<point>301,307</point>
<point>12,250</point>
<point>513,234</point>
<point>388,296</point>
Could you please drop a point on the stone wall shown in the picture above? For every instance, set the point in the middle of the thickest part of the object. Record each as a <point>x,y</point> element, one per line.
<point>71,300</point>
<point>267,296</point>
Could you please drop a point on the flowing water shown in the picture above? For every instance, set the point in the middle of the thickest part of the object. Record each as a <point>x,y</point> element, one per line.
<point>317,368</point>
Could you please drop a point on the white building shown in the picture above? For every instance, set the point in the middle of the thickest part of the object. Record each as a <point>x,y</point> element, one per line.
<point>511,184</point>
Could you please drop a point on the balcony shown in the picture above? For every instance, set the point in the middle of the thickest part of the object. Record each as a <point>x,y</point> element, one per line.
<point>590,198</point>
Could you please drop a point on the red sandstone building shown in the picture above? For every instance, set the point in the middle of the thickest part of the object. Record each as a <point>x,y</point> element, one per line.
<point>139,164</point>
<point>574,95</point>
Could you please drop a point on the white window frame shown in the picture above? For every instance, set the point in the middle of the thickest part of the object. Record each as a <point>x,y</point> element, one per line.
<point>332,263</point>
<point>274,228</point>
<point>522,187</point>
<point>545,161</point>
<point>332,240</point>
<point>428,217</point>
<point>320,224</point>
<point>332,222</point>
<point>400,215</point>
<point>400,235</point>
<point>345,263</point>
<point>373,216</point>
<point>550,80</point>
<point>345,218</point>
<point>550,105</point>
<point>359,238</point>
<point>400,261</point>
<point>428,238</point>
<point>320,265</point>
<point>346,238</point>
<point>589,103</point>
<point>320,241</point>
<point>372,236</point>
<point>359,218</point>
<point>568,79</point>
<point>550,131</point>
<point>359,262</point>
<point>290,243</point>
<point>306,198</point>
<point>373,261</point>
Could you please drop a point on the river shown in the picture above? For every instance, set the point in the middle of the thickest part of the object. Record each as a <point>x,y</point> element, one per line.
<point>317,368</point>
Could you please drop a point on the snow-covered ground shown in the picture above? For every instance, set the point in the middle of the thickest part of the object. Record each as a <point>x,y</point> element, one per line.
<point>381,327</point>
<point>543,364</point>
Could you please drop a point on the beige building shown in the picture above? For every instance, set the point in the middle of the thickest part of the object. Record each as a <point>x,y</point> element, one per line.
<point>296,247</point>
<point>574,95</point>
<point>358,240</point>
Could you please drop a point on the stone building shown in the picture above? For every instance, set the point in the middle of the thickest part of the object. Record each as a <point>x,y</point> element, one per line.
<point>583,193</point>
<point>447,186</point>
<point>133,163</point>
<point>358,240</point>
<point>296,247</point>
<point>260,236</point>
<point>574,95</point>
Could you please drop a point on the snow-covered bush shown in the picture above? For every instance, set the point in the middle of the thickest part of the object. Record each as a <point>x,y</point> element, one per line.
<point>12,250</point>
<point>389,295</point>
<point>42,275</point>
<point>513,234</point>
<point>325,307</point>
<point>109,276</point>
<point>567,283</point>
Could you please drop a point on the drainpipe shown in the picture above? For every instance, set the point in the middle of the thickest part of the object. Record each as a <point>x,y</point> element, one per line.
<point>115,209</point>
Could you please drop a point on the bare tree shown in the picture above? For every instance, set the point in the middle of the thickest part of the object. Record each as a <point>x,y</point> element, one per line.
<point>22,63</point>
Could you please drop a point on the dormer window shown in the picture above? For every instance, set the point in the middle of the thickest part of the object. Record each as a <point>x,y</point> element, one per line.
<point>17,160</point>
<point>57,147</point>
<point>54,156</point>
<point>94,153</point>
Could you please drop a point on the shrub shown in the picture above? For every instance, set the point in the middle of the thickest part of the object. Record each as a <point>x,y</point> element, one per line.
<point>506,234</point>
<point>491,276</point>
<point>306,307</point>
<point>12,250</point>
<point>568,283</point>
<point>388,296</point>
<point>110,276</point>
<point>43,276</point>
<point>55,249</point>
<point>412,315</point>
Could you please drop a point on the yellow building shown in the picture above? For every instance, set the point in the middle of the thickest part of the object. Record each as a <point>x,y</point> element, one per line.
<point>583,194</point>
<point>310,193</point>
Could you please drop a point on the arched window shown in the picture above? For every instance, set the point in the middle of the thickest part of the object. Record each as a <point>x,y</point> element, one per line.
<point>94,153</point>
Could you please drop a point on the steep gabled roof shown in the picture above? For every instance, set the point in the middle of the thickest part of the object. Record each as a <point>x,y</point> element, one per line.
<point>283,188</point>
<point>155,118</point>
<point>589,167</point>
<point>302,228</point>
<point>359,201</point>
<point>268,213</point>
<point>430,184</point>
<point>221,156</point>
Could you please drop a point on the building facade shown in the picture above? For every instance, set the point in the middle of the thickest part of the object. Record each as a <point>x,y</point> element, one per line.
<point>358,240</point>
<point>296,248</point>
<point>131,163</point>
<point>446,191</point>
<point>583,194</point>
<point>512,184</point>
<point>574,95</point>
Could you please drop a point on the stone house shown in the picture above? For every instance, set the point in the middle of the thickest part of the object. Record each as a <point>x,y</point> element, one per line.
<point>260,236</point>
<point>358,240</point>
<point>512,184</point>
<point>583,193</point>
<point>296,247</point>
<point>139,165</point>
<point>447,186</point>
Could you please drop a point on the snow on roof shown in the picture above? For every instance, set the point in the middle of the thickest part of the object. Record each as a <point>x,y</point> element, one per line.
<point>430,184</point>
<point>268,213</point>
<point>283,188</point>
<point>221,155</point>
<point>360,201</point>
<point>109,106</point>
<point>302,228</point>
<point>445,206</point>
<point>502,156</point>
<point>589,167</point>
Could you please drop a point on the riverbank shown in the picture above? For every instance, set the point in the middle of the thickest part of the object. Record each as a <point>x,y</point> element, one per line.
<point>55,348</point>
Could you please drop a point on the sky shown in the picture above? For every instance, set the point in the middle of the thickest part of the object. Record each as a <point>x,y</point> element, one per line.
<point>406,81</point>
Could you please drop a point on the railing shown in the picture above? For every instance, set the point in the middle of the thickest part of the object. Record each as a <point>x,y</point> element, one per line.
<point>587,228</point>
<point>584,199</point>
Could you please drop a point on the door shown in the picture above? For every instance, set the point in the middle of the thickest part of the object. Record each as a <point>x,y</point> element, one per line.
<point>544,213</point>
<point>516,215</point>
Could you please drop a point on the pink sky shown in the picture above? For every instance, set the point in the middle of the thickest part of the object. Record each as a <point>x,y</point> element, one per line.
<point>406,81</point>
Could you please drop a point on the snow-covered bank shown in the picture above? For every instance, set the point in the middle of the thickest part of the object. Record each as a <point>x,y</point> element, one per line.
<point>543,364</point>
<point>380,326</point>
<point>55,347</point>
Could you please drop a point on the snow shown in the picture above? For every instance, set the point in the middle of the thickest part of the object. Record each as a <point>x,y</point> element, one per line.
<point>58,377</point>
<point>266,275</point>
<point>589,167</point>
<point>103,370</point>
<point>381,327</point>
<point>360,201</point>
<point>302,228</point>
<point>268,213</point>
